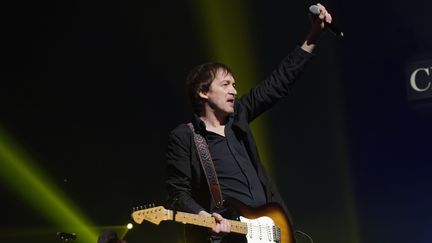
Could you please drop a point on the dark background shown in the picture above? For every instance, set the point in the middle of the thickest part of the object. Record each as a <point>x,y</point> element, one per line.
<point>91,90</point>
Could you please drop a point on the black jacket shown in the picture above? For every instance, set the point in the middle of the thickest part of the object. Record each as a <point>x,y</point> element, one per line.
<point>186,183</point>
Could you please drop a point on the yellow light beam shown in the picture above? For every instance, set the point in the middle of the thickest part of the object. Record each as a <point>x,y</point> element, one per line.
<point>227,30</point>
<point>30,182</point>
<point>121,230</point>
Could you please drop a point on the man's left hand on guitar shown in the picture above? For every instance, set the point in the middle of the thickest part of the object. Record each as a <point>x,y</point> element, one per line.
<point>222,226</point>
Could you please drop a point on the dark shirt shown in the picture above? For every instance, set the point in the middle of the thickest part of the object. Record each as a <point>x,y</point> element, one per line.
<point>237,176</point>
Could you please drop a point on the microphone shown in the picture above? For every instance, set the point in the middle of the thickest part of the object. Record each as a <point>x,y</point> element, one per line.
<point>314,9</point>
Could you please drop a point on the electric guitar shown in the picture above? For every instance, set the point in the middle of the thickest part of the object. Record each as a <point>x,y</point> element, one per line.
<point>259,225</point>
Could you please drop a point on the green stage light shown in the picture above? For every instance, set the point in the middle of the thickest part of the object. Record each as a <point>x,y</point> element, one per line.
<point>26,179</point>
<point>227,30</point>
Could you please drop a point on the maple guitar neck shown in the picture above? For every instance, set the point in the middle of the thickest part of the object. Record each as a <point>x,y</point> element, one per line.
<point>205,221</point>
<point>259,225</point>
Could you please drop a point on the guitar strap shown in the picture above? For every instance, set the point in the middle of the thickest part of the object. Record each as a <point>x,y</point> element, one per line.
<point>208,167</point>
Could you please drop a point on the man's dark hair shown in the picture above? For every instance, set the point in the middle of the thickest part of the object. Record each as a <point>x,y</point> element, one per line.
<point>200,79</point>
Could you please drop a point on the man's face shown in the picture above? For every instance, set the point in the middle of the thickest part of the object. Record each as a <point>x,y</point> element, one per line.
<point>221,94</point>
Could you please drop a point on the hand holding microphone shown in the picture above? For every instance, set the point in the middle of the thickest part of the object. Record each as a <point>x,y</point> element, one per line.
<point>320,20</point>
<point>325,19</point>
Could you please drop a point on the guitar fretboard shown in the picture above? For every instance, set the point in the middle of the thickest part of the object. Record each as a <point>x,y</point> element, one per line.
<point>209,222</point>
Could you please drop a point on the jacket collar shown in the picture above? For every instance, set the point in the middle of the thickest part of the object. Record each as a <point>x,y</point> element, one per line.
<point>200,126</point>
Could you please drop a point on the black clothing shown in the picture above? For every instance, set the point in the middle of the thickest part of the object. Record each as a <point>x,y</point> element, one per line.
<point>236,174</point>
<point>186,184</point>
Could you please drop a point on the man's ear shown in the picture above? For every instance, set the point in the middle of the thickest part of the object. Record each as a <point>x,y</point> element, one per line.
<point>203,95</point>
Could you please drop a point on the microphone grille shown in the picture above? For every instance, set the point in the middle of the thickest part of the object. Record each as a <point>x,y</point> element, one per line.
<point>314,9</point>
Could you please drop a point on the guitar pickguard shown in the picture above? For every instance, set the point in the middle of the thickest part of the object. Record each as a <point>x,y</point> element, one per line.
<point>261,230</point>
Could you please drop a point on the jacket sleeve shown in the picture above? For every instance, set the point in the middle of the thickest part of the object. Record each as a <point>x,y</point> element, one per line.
<point>278,85</point>
<point>179,175</point>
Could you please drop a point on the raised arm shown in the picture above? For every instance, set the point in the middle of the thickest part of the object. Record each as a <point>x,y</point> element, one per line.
<point>279,84</point>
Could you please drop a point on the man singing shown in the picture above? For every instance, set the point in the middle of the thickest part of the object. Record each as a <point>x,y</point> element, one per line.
<point>223,120</point>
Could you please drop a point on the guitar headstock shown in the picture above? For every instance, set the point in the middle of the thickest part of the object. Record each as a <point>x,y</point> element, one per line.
<point>153,214</point>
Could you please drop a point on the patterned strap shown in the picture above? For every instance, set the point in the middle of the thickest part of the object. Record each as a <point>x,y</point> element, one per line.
<point>208,167</point>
